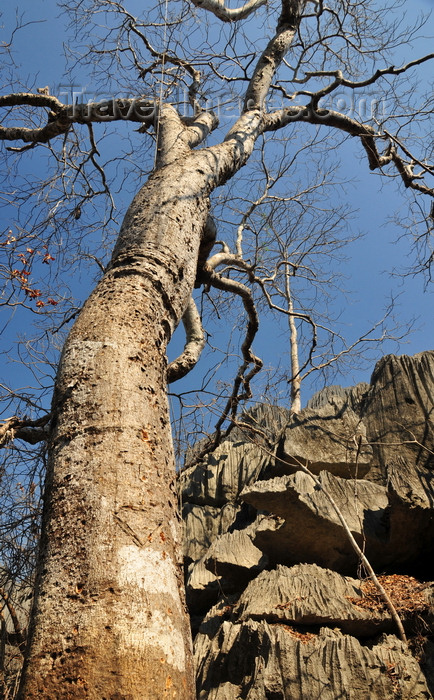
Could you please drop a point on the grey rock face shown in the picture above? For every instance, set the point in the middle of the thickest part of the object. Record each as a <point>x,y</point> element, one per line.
<point>203,523</point>
<point>311,530</point>
<point>227,470</point>
<point>212,507</point>
<point>399,417</point>
<point>306,594</point>
<point>256,660</point>
<point>330,437</point>
<point>235,558</point>
<point>266,548</point>
<point>351,396</point>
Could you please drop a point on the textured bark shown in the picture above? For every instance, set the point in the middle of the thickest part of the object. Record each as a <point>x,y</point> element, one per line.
<point>109,620</point>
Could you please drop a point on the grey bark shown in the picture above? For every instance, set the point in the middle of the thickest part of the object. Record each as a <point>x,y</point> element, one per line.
<point>109,613</point>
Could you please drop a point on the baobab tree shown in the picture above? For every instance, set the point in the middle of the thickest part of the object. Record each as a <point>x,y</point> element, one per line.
<point>109,618</point>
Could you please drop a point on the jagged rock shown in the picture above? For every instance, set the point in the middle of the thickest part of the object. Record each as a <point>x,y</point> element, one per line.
<point>202,588</point>
<point>202,524</point>
<point>399,415</point>
<point>311,531</point>
<point>255,660</point>
<point>230,562</point>
<point>235,559</point>
<point>266,420</point>
<point>306,594</point>
<point>286,633</point>
<point>353,396</point>
<point>227,470</point>
<point>330,436</point>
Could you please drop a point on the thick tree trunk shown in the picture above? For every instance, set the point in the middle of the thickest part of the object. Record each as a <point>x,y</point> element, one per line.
<point>110,619</point>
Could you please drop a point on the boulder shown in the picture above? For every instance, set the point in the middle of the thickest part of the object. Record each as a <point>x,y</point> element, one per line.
<point>399,417</point>
<point>202,588</point>
<point>303,627</point>
<point>307,594</point>
<point>202,524</point>
<point>351,396</point>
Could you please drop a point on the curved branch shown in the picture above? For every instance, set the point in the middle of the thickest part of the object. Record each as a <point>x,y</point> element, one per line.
<point>199,127</point>
<point>31,99</point>
<point>20,635</point>
<point>226,14</point>
<point>224,283</point>
<point>195,343</point>
<point>61,117</point>
<point>366,133</point>
<point>340,81</point>
<point>31,431</point>
<point>273,54</point>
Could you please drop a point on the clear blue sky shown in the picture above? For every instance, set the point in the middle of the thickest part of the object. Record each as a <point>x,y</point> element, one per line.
<point>371,260</point>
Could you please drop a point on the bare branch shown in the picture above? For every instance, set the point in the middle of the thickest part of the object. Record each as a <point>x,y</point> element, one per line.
<point>365,132</point>
<point>31,431</point>
<point>273,55</point>
<point>340,80</point>
<point>18,631</point>
<point>195,343</point>
<point>216,280</point>
<point>61,117</point>
<point>33,100</point>
<point>226,14</point>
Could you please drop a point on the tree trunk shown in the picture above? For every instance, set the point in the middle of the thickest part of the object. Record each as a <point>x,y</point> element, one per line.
<point>293,343</point>
<point>109,618</point>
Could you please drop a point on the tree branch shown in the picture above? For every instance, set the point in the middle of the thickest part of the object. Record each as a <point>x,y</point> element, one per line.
<point>217,8</point>
<point>341,81</point>
<point>224,283</point>
<point>61,117</point>
<point>366,133</point>
<point>273,55</point>
<point>195,343</point>
<point>31,431</point>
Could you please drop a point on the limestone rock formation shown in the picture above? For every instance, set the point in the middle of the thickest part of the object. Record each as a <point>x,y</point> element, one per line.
<point>224,474</point>
<point>234,558</point>
<point>257,660</point>
<point>331,436</point>
<point>311,530</point>
<point>308,595</point>
<point>278,599</point>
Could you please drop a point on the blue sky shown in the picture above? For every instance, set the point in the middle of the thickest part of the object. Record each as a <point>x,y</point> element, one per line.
<point>370,260</point>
